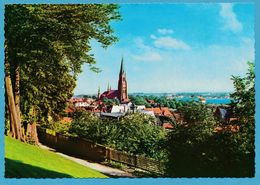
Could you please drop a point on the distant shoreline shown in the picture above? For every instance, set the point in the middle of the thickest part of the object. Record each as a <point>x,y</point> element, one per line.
<point>210,97</point>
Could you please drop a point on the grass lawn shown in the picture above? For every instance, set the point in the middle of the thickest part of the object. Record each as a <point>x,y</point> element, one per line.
<point>27,161</point>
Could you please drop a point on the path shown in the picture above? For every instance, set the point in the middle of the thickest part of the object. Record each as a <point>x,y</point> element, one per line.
<point>96,166</point>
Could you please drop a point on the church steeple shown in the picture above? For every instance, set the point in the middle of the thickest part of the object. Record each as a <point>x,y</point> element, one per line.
<point>122,84</point>
<point>122,68</point>
<point>108,87</point>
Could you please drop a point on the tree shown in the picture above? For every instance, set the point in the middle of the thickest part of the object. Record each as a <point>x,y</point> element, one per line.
<point>196,149</point>
<point>134,133</point>
<point>244,95</point>
<point>139,100</point>
<point>49,44</point>
<point>189,144</point>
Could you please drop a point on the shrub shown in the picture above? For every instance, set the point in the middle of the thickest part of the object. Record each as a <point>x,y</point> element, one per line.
<point>135,133</point>
<point>188,144</point>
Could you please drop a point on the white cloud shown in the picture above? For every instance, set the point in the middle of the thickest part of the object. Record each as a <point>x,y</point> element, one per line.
<point>140,44</point>
<point>165,31</point>
<point>171,43</point>
<point>145,52</point>
<point>148,56</point>
<point>159,45</point>
<point>230,19</point>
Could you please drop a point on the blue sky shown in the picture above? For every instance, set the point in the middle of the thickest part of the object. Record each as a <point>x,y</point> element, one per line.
<point>175,48</point>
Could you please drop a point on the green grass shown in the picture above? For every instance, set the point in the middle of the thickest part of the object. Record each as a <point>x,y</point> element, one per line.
<point>27,161</point>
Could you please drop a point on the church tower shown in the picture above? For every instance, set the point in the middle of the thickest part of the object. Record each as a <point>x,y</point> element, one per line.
<point>122,85</point>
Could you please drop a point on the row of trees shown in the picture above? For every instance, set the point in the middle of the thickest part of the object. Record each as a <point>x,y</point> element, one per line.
<point>45,47</point>
<point>162,101</point>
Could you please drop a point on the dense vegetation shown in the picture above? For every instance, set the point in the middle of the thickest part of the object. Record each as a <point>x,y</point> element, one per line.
<point>45,47</point>
<point>26,161</point>
<point>159,101</point>
<point>134,133</point>
<point>197,149</point>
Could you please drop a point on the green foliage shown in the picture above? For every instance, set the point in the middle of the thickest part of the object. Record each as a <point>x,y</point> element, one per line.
<point>195,113</point>
<point>88,125</point>
<point>244,95</point>
<point>162,101</point>
<point>139,100</point>
<point>111,101</point>
<point>59,127</point>
<point>188,143</point>
<point>50,43</point>
<point>139,134</point>
<point>135,133</point>
<point>197,150</point>
<point>234,152</point>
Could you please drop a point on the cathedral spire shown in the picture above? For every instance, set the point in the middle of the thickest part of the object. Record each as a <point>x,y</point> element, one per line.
<point>122,84</point>
<point>122,68</point>
<point>108,87</point>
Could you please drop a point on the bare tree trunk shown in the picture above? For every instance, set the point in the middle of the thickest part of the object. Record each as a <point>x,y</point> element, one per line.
<point>15,122</point>
<point>12,131</point>
<point>31,133</point>
<point>12,110</point>
<point>17,100</point>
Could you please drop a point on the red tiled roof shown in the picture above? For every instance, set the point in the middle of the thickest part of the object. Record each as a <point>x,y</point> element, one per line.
<point>150,101</point>
<point>110,94</point>
<point>160,111</point>
<point>178,117</point>
<point>74,100</point>
<point>167,126</point>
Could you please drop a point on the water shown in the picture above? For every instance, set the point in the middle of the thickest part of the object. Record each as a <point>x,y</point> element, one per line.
<point>218,101</point>
<point>213,100</point>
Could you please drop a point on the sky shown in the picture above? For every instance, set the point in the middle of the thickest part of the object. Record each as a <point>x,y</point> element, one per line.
<point>175,48</point>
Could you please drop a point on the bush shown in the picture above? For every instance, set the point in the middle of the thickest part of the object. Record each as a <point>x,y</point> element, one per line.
<point>188,144</point>
<point>139,134</point>
<point>135,133</point>
<point>197,150</point>
<point>88,125</point>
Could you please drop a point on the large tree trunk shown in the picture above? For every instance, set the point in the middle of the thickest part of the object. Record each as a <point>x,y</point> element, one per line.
<point>14,123</point>
<point>17,99</point>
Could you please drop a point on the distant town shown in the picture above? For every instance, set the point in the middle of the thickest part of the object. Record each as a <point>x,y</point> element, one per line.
<point>115,103</point>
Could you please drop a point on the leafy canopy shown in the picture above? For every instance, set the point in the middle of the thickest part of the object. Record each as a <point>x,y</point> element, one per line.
<point>51,43</point>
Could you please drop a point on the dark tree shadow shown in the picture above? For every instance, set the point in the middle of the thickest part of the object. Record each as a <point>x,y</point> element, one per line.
<point>17,169</point>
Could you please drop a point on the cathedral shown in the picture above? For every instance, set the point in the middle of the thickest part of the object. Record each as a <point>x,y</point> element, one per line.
<point>121,93</point>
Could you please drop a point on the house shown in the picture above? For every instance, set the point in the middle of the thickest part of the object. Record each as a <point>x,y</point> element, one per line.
<point>202,100</point>
<point>160,111</point>
<point>150,101</point>
<point>225,115</point>
<point>81,102</point>
<point>167,126</point>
